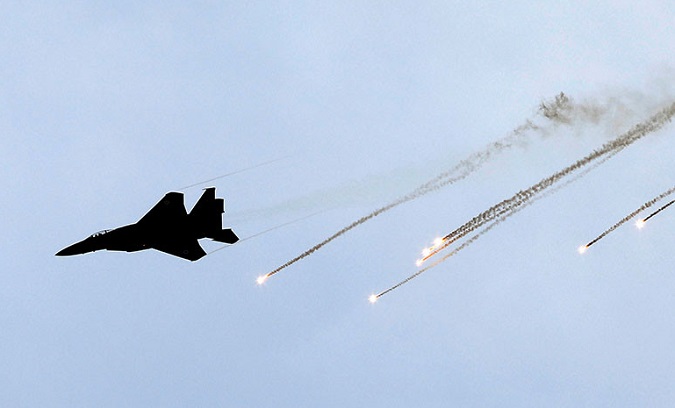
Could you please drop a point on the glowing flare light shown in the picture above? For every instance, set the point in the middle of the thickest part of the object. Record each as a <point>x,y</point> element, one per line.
<point>438,244</point>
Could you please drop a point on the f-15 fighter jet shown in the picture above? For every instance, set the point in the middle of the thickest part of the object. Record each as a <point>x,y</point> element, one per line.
<point>167,227</point>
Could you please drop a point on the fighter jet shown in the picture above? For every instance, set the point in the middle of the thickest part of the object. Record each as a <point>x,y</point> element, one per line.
<point>167,227</point>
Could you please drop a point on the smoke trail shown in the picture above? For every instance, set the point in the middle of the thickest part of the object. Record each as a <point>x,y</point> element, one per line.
<point>454,252</point>
<point>557,111</point>
<point>631,215</point>
<point>658,211</point>
<point>494,223</point>
<point>506,208</point>
<point>234,172</point>
<point>653,124</point>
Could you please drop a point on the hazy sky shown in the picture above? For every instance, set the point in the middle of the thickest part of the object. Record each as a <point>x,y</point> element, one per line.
<point>104,107</point>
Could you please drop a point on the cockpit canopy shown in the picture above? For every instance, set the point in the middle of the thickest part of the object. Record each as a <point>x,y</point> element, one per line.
<point>98,234</point>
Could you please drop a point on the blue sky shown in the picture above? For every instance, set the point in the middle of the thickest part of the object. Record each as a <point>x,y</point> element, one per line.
<point>106,107</point>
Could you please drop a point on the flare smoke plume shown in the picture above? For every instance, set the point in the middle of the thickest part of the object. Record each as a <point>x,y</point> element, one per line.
<point>559,111</point>
<point>506,208</point>
<point>653,124</point>
<point>658,211</point>
<point>631,215</point>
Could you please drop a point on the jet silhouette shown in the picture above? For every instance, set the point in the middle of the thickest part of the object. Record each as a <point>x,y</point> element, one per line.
<point>167,227</point>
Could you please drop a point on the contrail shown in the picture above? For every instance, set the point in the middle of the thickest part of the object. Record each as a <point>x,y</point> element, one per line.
<point>556,111</point>
<point>234,172</point>
<point>628,217</point>
<point>270,230</point>
<point>653,124</point>
<point>657,211</point>
<point>373,298</point>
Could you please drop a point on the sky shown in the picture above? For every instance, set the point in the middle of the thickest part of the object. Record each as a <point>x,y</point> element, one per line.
<point>105,107</point>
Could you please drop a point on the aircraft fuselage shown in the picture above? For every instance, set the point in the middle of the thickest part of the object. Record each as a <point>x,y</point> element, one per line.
<point>167,227</point>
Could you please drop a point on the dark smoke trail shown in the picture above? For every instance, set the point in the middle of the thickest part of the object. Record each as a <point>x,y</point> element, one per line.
<point>510,206</point>
<point>492,225</point>
<point>658,211</point>
<point>653,124</point>
<point>631,215</point>
<point>454,252</point>
<point>554,111</point>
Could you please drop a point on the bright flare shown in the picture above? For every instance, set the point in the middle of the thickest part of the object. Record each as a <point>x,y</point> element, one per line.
<point>261,279</point>
<point>438,242</point>
<point>582,249</point>
<point>426,252</point>
<point>419,262</point>
<point>640,224</point>
<point>372,298</point>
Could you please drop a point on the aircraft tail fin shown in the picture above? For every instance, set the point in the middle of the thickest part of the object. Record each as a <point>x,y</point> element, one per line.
<point>206,215</point>
<point>208,206</point>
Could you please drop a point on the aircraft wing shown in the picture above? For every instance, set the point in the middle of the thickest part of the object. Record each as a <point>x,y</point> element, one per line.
<point>171,206</point>
<point>184,248</point>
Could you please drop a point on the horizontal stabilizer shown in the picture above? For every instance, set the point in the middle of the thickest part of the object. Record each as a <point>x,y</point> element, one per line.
<point>226,236</point>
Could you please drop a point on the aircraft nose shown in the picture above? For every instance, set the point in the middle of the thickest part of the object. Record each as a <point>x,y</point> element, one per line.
<point>75,249</point>
<point>67,251</point>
